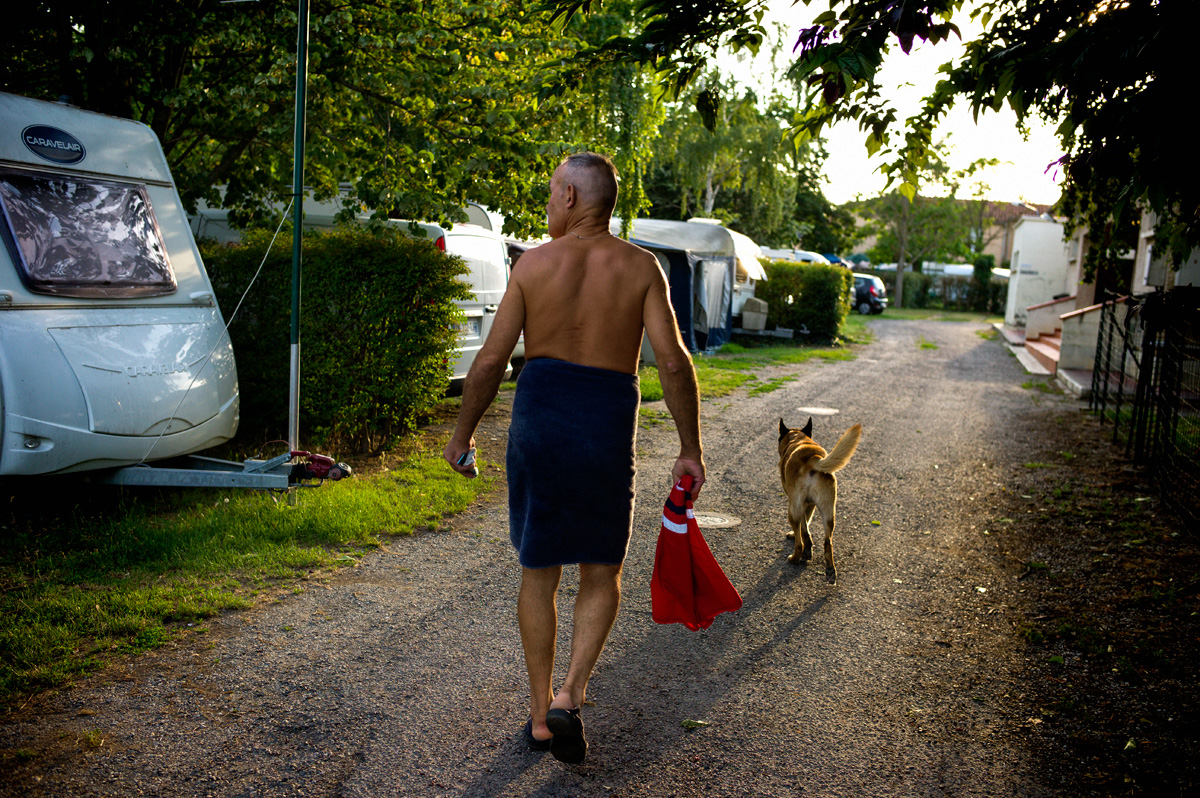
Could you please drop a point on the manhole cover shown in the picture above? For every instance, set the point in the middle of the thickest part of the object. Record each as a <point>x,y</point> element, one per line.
<point>818,411</point>
<point>716,520</point>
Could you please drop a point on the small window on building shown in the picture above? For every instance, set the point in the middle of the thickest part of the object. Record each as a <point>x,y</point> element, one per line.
<point>83,236</point>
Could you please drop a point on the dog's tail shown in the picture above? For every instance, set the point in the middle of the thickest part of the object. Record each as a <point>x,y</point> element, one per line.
<point>841,453</point>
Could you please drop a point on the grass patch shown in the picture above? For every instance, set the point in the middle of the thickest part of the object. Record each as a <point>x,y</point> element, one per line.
<point>1042,386</point>
<point>651,387</point>
<point>720,380</point>
<point>771,385</point>
<point>856,330</point>
<point>91,572</point>
<point>738,364</point>
<point>925,343</point>
<point>649,417</point>
<point>932,314</point>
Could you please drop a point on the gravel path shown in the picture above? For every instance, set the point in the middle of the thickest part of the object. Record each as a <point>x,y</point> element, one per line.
<point>404,676</point>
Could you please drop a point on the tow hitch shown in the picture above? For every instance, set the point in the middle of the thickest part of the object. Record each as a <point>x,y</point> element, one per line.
<point>289,470</point>
<point>316,466</point>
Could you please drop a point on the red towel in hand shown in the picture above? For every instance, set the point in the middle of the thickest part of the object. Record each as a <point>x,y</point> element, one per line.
<point>687,586</point>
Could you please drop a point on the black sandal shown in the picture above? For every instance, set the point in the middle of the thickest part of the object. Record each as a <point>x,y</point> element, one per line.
<point>568,743</point>
<point>533,742</point>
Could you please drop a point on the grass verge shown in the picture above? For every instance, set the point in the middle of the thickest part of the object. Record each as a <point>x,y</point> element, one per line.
<point>932,314</point>
<point>742,364</point>
<point>91,572</point>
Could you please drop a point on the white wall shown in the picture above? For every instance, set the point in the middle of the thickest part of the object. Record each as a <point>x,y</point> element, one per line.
<point>1039,267</point>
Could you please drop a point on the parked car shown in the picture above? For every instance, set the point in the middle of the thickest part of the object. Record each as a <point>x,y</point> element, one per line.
<point>486,254</point>
<point>870,294</point>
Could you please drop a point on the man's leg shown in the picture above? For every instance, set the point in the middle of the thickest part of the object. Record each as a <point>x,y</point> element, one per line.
<point>538,619</point>
<point>595,610</point>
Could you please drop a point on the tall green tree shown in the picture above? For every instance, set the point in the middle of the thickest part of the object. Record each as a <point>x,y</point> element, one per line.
<point>611,109</point>
<point>745,171</point>
<point>1110,75</point>
<point>416,106</point>
<point>914,229</point>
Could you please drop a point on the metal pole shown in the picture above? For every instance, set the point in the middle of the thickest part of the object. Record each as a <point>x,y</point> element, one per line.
<point>297,220</point>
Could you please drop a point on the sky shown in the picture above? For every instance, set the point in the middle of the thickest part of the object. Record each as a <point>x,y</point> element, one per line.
<point>1021,175</point>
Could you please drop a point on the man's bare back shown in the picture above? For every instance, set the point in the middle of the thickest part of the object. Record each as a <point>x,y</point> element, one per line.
<point>585,300</point>
<point>586,297</point>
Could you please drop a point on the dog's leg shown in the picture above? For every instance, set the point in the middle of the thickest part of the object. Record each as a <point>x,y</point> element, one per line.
<point>802,549</point>
<point>830,568</point>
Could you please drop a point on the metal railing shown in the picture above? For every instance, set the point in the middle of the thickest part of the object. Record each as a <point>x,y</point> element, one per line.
<point>1146,381</point>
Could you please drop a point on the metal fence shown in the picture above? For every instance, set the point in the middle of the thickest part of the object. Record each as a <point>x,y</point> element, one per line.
<point>1146,381</point>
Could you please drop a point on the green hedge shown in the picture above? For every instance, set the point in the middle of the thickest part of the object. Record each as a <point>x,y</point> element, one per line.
<point>813,296</point>
<point>375,333</point>
<point>918,288</point>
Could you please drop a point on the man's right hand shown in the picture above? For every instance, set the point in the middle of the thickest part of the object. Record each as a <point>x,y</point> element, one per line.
<point>686,465</point>
<point>454,451</point>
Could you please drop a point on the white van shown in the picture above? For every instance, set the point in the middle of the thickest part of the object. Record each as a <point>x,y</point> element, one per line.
<point>112,348</point>
<point>486,254</point>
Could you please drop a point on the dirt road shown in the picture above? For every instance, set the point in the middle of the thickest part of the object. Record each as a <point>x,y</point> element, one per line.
<point>404,677</point>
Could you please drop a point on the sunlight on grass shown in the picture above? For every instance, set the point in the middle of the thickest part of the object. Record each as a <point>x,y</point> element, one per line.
<point>124,572</point>
<point>651,388</point>
<point>738,364</point>
<point>771,385</point>
<point>927,314</point>
<point>716,380</point>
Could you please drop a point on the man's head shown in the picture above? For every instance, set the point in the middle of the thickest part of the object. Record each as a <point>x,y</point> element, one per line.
<point>583,185</point>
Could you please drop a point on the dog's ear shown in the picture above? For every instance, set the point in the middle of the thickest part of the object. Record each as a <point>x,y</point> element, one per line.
<point>783,430</point>
<point>808,428</point>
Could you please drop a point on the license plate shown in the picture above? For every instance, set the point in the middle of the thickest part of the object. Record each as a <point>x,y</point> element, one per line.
<point>467,329</point>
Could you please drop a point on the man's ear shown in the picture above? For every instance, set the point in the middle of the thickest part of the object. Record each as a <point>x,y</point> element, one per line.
<point>572,196</point>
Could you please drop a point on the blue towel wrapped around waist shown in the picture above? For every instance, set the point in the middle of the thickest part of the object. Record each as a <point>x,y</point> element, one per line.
<point>571,463</point>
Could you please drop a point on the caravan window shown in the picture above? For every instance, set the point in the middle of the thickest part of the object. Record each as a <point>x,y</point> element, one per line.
<point>82,236</point>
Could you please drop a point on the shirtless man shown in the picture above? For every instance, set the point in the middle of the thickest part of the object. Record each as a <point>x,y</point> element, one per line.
<point>583,301</point>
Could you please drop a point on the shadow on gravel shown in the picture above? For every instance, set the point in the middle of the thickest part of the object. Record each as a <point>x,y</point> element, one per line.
<point>509,765</point>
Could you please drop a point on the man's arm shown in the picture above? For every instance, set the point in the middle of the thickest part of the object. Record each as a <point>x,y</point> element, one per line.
<point>678,378</point>
<point>486,372</point>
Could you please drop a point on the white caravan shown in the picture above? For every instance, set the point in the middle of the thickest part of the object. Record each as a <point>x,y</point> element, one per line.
<point>112,348</point>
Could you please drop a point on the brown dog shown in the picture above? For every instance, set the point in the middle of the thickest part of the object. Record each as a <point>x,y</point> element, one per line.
<point>807,473</point>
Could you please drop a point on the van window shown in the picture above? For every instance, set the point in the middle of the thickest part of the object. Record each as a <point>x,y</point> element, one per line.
<point>83,236</point>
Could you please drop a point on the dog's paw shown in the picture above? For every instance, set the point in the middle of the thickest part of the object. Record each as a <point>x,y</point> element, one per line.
<point>790,536</point>
<point>793,559</point>
<point>831,576</point>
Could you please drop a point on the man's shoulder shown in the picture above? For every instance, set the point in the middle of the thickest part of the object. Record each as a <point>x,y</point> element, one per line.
<point>634,247</point>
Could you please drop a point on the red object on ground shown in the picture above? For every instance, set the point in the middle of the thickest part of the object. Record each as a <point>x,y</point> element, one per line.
<point>687,586</point>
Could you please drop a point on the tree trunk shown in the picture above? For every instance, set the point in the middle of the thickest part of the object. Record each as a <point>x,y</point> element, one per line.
<point>903,254</point>
<point>710,194</point>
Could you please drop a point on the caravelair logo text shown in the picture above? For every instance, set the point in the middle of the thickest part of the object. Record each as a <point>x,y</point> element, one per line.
<point>52,144</point>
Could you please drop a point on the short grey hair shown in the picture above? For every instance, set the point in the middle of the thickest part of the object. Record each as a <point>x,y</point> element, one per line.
<point>603,176</point>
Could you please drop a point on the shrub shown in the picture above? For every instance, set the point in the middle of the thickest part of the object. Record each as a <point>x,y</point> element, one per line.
<point>375,331</point>
<point>812,296</point>
<point>981,286</point>
<point>918,289</point>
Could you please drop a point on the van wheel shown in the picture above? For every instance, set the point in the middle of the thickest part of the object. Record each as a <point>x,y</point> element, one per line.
<point>864,308</point>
